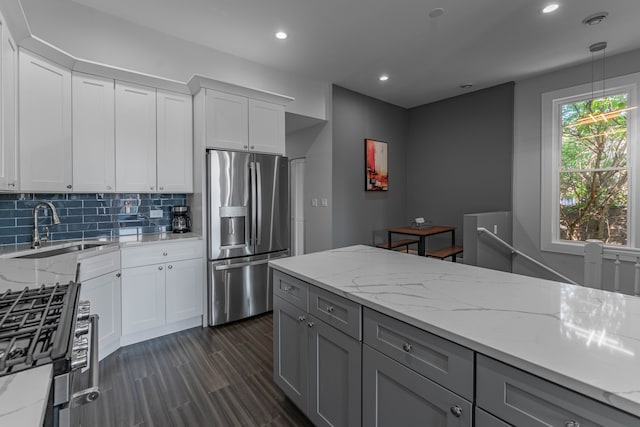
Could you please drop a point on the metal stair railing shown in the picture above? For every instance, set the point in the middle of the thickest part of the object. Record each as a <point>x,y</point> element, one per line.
<point>482,230</point>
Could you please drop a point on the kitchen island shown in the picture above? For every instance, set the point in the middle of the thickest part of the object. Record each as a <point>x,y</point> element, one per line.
<point>584,340</point>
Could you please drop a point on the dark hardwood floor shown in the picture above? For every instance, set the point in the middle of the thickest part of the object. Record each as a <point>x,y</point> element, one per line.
<point>200,377</point>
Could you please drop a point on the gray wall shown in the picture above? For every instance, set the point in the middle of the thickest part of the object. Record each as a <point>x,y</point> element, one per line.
<point>358,213</point>
<point>459,158</point>
<point>526,165</point>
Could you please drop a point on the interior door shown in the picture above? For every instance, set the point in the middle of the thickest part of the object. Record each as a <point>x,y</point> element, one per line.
<point>272,203</point>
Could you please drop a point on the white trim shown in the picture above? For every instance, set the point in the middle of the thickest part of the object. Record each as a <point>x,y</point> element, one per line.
<point>550,161</point>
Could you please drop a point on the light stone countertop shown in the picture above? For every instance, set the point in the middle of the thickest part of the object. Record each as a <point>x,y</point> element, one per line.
<point>21,403</point>
<point>584,339</point>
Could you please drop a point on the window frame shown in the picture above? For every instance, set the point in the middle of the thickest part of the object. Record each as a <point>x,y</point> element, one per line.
<point>551,162</point>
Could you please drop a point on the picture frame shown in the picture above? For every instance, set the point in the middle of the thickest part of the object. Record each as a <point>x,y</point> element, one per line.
<point>376,165</point>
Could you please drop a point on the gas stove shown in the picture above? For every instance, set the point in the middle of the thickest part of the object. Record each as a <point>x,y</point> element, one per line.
<point>48,325</point>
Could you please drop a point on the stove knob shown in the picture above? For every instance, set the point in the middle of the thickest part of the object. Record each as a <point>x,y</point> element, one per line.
<point>82,327</point>
<point>79,359</point>
<point>80,343</point>
<point>84,310</point>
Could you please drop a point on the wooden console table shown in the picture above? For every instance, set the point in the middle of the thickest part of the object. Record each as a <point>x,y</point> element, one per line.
<point>423,233</point>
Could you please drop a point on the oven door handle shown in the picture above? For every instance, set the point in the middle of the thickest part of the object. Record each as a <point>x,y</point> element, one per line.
<point>91,393</point>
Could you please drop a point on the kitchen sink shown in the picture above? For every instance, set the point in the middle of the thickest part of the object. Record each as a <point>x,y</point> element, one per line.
<point>45,253</point>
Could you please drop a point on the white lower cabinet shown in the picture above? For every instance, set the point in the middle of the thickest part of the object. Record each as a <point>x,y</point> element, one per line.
<point>162,289</point>
<point>101,286</point>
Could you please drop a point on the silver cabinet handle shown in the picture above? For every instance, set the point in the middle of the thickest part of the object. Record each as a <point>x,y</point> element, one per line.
<point>162,188</point>
<point>151,188</point>
<point>253,147</point>
<point>160,268</point>
<point>330,309</point>
<point>288,288</point>
<point>310,324</point>
<point>12,184</point>
<point>407,347</point>
<point>302,318</point>
<point>69,186</point>
<point>245,146</point>
<point>170,267</point>
<point>118,274</point>
<point>164,254</point>
<point>571,423</point>
<point>456,411</point>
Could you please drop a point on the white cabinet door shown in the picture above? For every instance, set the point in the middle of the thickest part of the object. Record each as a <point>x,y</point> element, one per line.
<point>143,298</point>
<point>45,125</point>
<point>175,142</point>
<point>135,138</point>
<point>94,168</point>
<point>8,138</point>
<point>185,283</point>
<point>227,121</point>
<point>104,294</point>
<point>266,127</point>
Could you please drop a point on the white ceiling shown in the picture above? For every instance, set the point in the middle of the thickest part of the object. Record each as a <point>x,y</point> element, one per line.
<point>351,42</point>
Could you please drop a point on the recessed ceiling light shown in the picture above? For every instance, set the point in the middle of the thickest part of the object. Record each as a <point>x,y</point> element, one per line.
<point>466,86</point>
<point>281,35</point>
<point>383,78</point>
<point>438,11</point>
<point>595,19</point>
<point>551,7</point>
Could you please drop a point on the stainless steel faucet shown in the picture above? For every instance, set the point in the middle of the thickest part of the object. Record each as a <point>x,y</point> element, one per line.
<point>55,219</point>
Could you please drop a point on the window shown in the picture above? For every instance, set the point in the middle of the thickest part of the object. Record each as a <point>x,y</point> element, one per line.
<point>589,157</point>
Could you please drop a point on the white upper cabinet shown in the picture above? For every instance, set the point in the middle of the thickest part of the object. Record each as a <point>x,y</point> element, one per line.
<point>227,120</point>
<point>266,127</point>
<point>239,123</point>
<point>175,142</point>
<point>135,138</point>
<point>94,165</point>
<point>8,106</point>
<point>45,125</point>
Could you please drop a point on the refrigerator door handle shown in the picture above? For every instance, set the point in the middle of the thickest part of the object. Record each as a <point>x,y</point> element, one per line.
<point>259,206</point>
<point>252,184</point>
<point>246,264</point>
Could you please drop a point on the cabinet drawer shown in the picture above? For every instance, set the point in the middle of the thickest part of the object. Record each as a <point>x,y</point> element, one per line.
<point>339,312</point>
<point>440,360</point>
<point>394,395</point>
<point>523,399</point>
<point>485,419</point>
<point>291,289</point>
<point>160,253</point>
<point>99,265</point>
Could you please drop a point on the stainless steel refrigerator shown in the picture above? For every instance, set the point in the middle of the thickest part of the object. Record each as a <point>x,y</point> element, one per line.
<point>248,214</point>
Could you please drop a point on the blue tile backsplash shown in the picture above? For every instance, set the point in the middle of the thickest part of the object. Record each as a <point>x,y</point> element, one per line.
<point>85,216</point>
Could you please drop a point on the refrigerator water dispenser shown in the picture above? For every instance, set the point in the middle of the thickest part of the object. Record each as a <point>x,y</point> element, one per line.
<point>233,221</point>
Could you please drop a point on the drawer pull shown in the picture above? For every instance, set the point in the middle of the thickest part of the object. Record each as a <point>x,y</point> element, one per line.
<point>407,347</point>
<point>160,268</point>
<point>170,266</point>
<point>118,274</point>
<point>330,309</point>
<point>288,288</point>
<point>571,423</point>
<point>164,254</point>
<point>310,324</point>
<point>302,318</point>
<point>456,411</point>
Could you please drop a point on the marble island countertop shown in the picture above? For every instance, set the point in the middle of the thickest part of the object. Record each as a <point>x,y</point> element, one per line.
<point>585,339</point>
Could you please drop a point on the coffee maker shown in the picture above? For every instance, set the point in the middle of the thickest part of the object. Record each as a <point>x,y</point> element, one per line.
<point>181,223</point>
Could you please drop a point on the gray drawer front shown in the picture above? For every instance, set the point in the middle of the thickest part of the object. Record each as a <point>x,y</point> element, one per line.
<point>339,312</point>
<point>525,400</point>
<point>395,396</point>
<point>442,361</point>
<point>485,419</point>
<point>291,289</point>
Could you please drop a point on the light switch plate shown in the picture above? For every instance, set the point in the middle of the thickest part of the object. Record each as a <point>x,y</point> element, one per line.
<point>155,213</point>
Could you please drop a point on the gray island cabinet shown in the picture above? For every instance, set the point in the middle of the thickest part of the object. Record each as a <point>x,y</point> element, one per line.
<point>372,337</point>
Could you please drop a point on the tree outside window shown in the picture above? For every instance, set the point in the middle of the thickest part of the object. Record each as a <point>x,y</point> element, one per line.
<point>594,170</point>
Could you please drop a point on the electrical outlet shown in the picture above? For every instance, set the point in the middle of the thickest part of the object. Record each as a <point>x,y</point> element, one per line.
<point>495,228</point>
<point>155,213</point>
